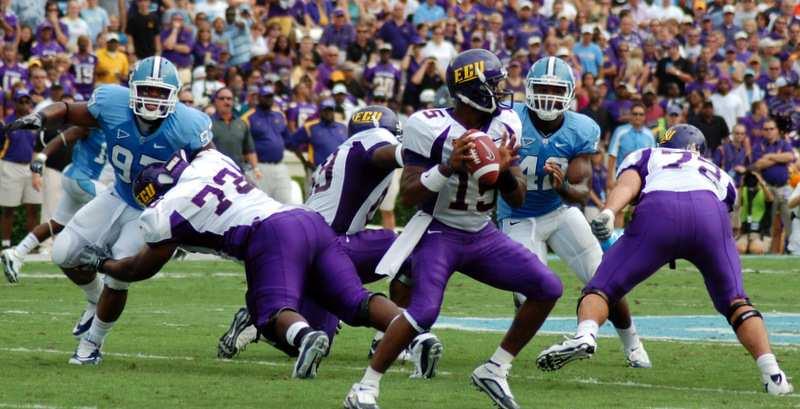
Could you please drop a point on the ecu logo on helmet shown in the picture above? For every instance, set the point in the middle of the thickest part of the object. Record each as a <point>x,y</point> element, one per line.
<point>365,117</point>
<point>146,195</point>
<point>468,72</point>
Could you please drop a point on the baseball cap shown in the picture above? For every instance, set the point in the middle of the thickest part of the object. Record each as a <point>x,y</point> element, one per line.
<point>378,94</point>
<point>729,9</point>
<point>700,4</point>
<point>562,52</point>
<point>199,73</point>
<point>511,33</point>
<point>587,29</point>
<point>740,35</point>
<point>112,36</point>
<point>674,110</point>
<point>385,47</point>
<point>514,63</point>
<point>21,93</point>
<point>781,82</point>
<point>338,12</point>
<point>266,90</point>
<point>523,4</point>
<point>339,89</point>
<point>327,104</point>
<point>427,96</point>
<point>730,49</point>
<point>749,72</point>
<point>534,40</point>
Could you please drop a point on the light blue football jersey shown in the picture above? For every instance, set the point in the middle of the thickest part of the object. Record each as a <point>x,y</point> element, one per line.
<point>578,135</point>
<point>88,156</point>
<point>129,151</point>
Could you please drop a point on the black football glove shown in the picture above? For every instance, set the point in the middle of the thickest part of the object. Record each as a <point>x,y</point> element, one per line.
<point>32,122</point>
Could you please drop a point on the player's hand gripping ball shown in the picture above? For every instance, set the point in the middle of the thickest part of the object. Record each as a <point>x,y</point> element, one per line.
<point>484,159</point>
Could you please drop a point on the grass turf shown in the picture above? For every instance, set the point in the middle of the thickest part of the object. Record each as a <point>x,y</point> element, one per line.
<point>162,353</point>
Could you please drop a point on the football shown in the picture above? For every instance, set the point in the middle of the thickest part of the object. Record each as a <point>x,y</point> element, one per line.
<point>484,162</point>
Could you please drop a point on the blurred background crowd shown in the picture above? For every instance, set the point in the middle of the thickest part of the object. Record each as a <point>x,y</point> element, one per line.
<point>280,79</point>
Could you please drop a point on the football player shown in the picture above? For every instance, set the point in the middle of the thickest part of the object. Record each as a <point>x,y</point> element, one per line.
<point>682,212</point>
<point>208,205</point>
<point>79,186</point>
<point>556,148</point>
<point>453,229</point>
<point>143,124</point>
<point>346,191</point>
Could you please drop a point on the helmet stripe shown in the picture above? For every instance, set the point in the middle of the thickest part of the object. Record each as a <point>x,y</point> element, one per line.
<point>551,66</point>
<point>156,66</point>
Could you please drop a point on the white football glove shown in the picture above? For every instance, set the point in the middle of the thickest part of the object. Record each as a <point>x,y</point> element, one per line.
<point>37,164</point>
<point>93,258</point>
<point>603,225</point>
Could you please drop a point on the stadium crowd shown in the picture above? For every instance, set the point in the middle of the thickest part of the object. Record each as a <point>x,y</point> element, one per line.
<point>285,75</point>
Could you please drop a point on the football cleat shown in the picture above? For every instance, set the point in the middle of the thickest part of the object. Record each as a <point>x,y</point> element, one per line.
<point>571,349</point>
<point>12,264</point>
<point>426,351</point>
<point>637,357</point>
<point>241,333</point>
<point>777,384</point>
<point>312,350</point>
<point>362,396</point>
<point>85,321</point>
<point>87,353</point>
<point>405,355</point>
<point>491,379</point>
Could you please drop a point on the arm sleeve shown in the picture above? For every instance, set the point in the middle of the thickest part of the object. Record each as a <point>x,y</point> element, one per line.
<point>155,225</point>
<point>417,143</point>
<point>201,135</point>
<point>590,138</point>
<point>613,146</point>
<point>99,99</point>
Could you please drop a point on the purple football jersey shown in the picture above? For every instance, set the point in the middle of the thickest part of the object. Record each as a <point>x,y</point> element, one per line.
<point>83,66</point>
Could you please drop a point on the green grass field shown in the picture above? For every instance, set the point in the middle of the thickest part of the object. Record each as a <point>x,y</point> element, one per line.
<point>162,354</point>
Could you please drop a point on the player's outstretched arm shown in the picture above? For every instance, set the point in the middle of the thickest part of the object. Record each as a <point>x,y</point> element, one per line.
<point>388,157</point>
<point>66,138</point>
<point>627,188</point>
<point>55,116</point>
<point>140,267</point>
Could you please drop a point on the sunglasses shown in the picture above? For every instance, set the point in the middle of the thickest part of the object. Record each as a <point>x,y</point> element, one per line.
<point>637,113</point>
<point>770,129</point>
<point>188,101</point>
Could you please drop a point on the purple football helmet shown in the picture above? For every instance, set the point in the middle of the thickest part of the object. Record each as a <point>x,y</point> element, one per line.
<point>158,178</point>
<point>473,78</point>
<point>683,136</point>
<point>374,116</point>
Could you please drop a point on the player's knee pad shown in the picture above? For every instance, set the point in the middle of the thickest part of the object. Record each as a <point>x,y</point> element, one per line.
<point>66,248</point>
<point>115,284</point>
<point>738,320</point>
<point>589,291</point>
<point>362,315</point>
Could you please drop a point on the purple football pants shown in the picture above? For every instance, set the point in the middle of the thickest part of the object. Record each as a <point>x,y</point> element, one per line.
<point>694,226</point>
<point>488,256</point>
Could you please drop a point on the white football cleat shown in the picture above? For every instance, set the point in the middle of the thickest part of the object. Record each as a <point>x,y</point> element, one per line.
<point>241,333</point>
<point>777,384</point>
<point>87,353</point>
<point>637,357</point>
<point>571,349</point>
<point>491,379</point>
<point>12,264</point>
<point>426,351</point>
<point>404,356</point>
<point>312,350</point>
<point>85,321</point>
<point>362,396</point>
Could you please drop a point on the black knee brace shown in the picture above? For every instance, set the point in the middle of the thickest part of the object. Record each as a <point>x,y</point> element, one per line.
<point>754,313</point>
<point>595,292</point>
<point>267,333</point>
<point>362,317</point>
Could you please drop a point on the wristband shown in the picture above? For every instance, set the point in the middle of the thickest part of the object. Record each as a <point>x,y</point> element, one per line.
<point>63,138</point>
<point>433,179</point>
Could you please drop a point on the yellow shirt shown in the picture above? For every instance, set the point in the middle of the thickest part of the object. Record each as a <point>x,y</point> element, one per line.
<point>114,64</point>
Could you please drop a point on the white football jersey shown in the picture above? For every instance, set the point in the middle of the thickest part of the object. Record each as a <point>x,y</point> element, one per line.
<point>428,140</point>
<point>347,189</point>
<point>679,170</point>
<point>202,211</point>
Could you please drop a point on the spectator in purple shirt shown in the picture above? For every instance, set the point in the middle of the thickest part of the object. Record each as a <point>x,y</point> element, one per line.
<point>16,152</point>
<point>339,33</point>
<point>177,42</point>
<point>734,157</point>
<point>768,81</point>
<point>772,157</point>
<point>46,44</point>
<point>701,83</point>
<point>329,63</point>
<point>60,31</point>
<point>84,64</point>
<point>11,71</point>
<point>626,35</point>
<point>204,50</point>
<point>9,22</point>
<point>398,31</point>
<point>383,76</point>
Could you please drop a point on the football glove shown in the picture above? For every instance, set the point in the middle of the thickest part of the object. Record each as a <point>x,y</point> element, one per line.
<point>33,122</point>
<point>37,164</point>
<point>603,224</point>
<point>93,258</point>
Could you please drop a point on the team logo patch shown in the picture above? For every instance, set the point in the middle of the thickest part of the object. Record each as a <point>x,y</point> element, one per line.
<point>366,117</point>
<point>468,72</point>
<point>667,135</point>
<point>146,195</point>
